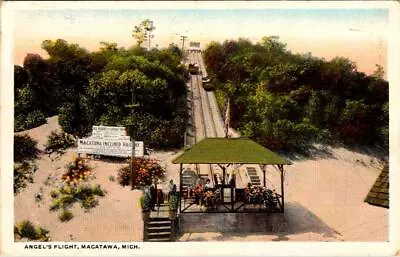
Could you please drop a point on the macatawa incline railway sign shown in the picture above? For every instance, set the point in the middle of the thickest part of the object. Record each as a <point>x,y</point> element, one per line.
<point>109,141</point>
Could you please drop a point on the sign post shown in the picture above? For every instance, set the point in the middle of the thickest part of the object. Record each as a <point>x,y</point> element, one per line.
<point>133,177</point>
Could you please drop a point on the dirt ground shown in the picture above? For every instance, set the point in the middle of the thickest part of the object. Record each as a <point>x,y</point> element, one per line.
<point>324,200</point>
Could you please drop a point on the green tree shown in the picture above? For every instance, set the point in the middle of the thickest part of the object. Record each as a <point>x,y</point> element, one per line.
<point>143,32</point>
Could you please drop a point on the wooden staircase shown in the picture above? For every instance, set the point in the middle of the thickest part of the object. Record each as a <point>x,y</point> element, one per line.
<point>158,229</point>
<point>254,178</point>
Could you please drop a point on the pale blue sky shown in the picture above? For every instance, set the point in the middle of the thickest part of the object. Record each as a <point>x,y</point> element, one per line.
<point>360,34</point>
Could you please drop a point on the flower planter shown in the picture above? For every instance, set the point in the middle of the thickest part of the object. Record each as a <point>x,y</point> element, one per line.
<point>172,215</point>
<point>145,216</point>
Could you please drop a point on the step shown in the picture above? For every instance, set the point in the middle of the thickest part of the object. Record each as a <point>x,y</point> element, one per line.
<point>159,235</point>
<point>159,240</point>
<point>159,229</point>
<point>158,225</point>
<point>159,219</point>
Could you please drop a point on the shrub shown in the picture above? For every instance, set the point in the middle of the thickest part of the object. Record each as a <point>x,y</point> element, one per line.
<point>31,120</point>
<point>145,171</point>
<point>89,202</point>
<point>58,142</point>
<point>34,119</point>
<point>96,190</point>
<point>62,201</point>
<point>173,202</point>
<point>111,178</point>
<point>25,229</point>
<point>67,195</point>
<point>145,202</point>
<point>65,215</point>
<point>24,148</point>
<point>54,193</point>
<point>23,173</point>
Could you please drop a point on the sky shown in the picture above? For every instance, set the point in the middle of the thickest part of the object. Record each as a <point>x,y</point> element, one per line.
<point>358,34</point>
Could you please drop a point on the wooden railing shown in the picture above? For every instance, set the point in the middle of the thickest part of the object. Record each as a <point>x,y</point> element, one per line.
<point>241,203</point>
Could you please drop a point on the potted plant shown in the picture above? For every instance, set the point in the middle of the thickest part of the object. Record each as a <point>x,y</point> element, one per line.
<point>173,205</point>
<point>145,204</point>
<point>270,199</point>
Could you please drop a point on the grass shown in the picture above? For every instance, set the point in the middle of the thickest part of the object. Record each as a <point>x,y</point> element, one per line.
<point>111,178</point>
<point>65,215</point>
<point>26,229</point>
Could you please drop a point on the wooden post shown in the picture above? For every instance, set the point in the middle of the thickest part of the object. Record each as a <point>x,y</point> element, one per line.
<point>263,169</point>
<point>133,174</point>
<point>232,195</point>
<point>223,174</point>
<point>180,187</point>
<point>280,166</point>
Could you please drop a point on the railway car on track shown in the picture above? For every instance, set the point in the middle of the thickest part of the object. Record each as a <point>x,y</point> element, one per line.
<point>193,68</point>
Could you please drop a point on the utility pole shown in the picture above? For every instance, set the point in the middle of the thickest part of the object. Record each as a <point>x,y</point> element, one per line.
<point>183,38</point>
<point>133,175</point>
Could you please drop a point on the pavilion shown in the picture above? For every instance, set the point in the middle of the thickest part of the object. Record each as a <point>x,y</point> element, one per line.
<point>225,152</point>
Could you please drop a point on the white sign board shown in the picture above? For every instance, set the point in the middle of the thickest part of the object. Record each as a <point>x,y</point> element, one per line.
<point>108,131</point>
<point>109,141</point>
<point>110,147</point>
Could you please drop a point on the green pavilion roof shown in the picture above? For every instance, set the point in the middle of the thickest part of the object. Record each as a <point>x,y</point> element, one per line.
<point>229,150</point>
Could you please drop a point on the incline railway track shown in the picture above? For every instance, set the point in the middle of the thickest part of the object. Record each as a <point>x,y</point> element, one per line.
<point>207,122</point>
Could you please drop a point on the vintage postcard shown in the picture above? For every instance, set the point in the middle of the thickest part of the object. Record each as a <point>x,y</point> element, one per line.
<point>199,128</point>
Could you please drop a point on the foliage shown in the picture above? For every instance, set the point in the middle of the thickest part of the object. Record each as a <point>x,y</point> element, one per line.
<point>26,229</point>
<point>65,215</point>
<point>259,194</point>
<point>30,120</point>
<point>75,116</point>
<point>67,195</point>
<point>58,142</point>
<point>173,199</point>
<point>145,202</point>
<point>86,88</point>
<point>145,171</point>
<point>288,101</point>
<point>143,32</point>
<point>24,148</point>
<point>75,188</point>
<point>77,171</point>
<point>173,202</point>
<point>23,174</point>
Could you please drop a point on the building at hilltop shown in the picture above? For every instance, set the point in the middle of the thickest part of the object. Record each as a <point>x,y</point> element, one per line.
<point>379,193</point>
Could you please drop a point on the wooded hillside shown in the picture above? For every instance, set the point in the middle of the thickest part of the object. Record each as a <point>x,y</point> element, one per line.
<point>104,87</point>
<point>286,101</point>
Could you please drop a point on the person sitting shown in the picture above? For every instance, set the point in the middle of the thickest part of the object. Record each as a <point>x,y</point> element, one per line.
<point>208,186</point>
